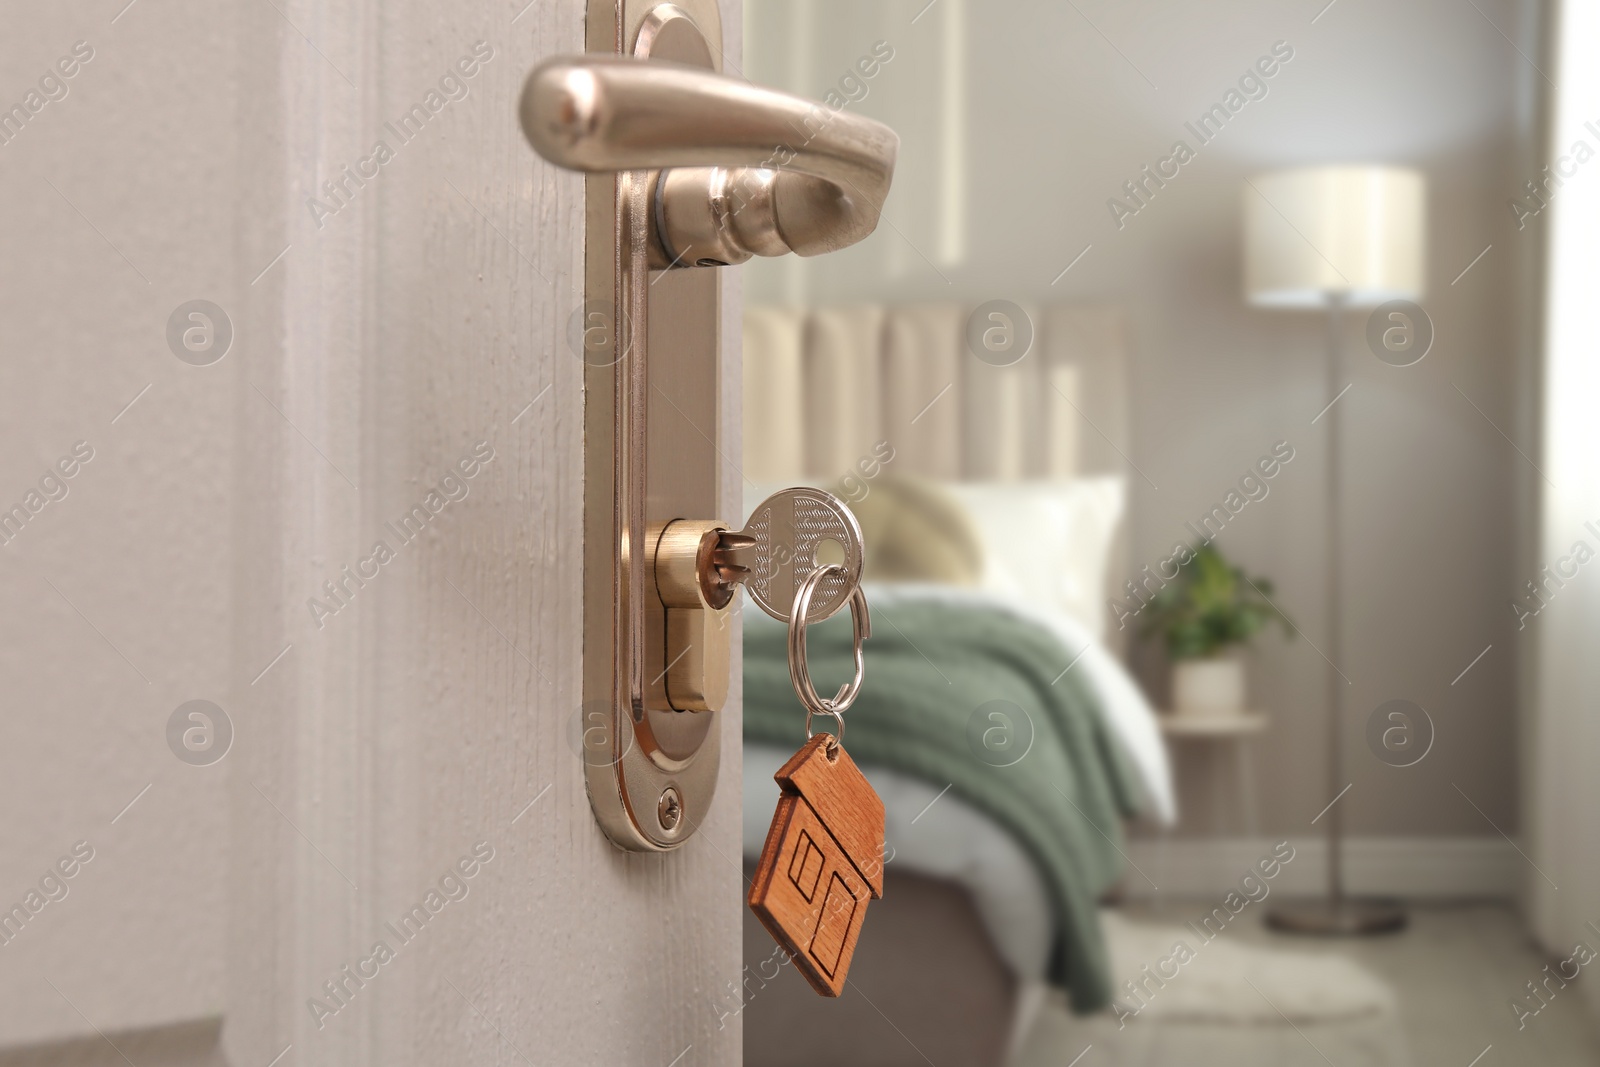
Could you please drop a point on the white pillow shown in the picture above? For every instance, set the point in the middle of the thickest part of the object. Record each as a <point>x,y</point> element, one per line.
<point>1047,543</point>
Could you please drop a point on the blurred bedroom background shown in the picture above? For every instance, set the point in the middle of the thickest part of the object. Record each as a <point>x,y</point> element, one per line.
<point>1215,398</point>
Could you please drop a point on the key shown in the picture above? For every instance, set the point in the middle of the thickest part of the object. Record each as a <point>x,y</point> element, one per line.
<point>778,549</point>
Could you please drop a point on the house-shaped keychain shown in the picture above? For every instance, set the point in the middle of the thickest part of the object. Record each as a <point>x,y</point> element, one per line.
<point>822,862</point>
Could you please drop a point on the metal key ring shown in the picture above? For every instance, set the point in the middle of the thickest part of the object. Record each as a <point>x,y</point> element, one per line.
<point>838,733</point>
<point>799,670</point>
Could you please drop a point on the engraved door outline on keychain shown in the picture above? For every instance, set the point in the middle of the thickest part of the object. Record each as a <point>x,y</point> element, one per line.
<point>822,860</point>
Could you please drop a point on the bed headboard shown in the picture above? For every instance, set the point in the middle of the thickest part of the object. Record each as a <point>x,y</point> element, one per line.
<point>822,386</point>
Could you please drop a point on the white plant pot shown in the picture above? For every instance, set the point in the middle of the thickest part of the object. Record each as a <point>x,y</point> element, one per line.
<point>1208,686</point>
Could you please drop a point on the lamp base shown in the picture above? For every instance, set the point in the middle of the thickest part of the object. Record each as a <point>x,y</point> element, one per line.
<point>1350,917</point>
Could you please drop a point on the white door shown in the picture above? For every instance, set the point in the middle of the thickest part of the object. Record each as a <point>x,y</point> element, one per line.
<point>341,501</point>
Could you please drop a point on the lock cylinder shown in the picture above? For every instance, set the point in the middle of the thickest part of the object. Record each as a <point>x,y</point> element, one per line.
<point>699,625</point>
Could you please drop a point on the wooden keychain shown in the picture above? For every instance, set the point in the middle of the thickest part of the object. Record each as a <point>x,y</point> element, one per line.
<point>823,858</point>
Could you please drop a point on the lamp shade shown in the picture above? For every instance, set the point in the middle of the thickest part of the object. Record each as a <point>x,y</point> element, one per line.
<point>1319,234</point>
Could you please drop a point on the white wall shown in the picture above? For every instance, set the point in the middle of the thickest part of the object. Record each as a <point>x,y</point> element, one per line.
<point>1564,791</point>
<point>1056,114</point>
<point>111,206</point>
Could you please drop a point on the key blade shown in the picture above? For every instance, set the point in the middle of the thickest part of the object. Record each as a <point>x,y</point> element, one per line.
<point>733,556</point>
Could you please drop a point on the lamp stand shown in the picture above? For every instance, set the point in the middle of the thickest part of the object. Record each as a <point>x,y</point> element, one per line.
<point>1337,915</point>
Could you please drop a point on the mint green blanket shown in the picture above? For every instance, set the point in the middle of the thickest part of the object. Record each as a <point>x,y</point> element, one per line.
<point>934,669</point>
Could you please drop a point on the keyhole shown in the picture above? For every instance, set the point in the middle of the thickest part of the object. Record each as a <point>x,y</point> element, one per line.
<point>829,551</point>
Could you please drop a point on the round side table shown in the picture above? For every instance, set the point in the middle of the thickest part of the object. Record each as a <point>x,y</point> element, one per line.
<point>1236,729</point>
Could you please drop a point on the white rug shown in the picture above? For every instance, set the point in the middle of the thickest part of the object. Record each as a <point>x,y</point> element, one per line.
<point>1196,1002</point>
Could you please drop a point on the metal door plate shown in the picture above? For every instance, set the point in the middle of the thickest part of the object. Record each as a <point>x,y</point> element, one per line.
<point>652,393</point>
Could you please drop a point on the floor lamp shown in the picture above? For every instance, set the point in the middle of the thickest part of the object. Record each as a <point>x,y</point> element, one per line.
<point>1334,238</point>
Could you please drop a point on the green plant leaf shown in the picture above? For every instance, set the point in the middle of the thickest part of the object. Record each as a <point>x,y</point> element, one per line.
<point>1210,606</point>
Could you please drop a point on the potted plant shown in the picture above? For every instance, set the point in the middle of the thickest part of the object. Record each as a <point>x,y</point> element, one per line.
<point>1206,614</point>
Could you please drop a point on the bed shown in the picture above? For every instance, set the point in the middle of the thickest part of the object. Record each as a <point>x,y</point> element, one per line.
<point>943,457</point>
<point>994,879</point>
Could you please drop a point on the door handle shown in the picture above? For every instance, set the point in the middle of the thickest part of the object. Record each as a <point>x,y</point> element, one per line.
<point>686,168</point>
<point>744,170</point>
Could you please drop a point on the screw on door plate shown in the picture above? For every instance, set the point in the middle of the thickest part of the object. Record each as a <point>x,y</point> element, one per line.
<point>670,810</point>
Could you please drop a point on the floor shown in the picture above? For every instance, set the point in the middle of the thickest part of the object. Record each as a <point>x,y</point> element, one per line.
<point>1456,969</point>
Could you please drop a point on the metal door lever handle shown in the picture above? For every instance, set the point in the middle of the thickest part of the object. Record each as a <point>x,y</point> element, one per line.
<point>744,170</point>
